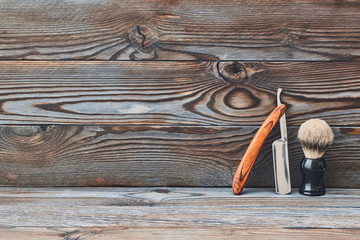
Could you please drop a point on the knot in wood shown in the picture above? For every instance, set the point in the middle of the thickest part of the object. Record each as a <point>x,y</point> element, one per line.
<point>290,39</point>
<point>233,72</point>
<point>25,131</point>
<point>142,38</point>
<point>161,190</point>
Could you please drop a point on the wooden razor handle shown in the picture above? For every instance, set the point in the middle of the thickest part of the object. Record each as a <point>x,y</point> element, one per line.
<point>248,160</point>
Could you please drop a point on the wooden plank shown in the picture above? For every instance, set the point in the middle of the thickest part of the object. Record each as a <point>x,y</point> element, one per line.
<point>156,156</point>
<point>177,93</point>
<point>180,30</point>
<point>165,233</point>
<point>178,208</point>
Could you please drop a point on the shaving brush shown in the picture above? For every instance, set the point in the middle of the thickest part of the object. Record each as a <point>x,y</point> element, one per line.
<point>314,136</point>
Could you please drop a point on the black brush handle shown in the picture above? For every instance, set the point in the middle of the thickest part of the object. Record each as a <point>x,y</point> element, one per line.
<point>313,171</point>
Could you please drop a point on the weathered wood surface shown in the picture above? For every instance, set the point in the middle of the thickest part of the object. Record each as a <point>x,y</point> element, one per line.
<point>180,30</point>
<point>178,233</point>
<point>177,93</point>
<point>156,156</point>
<point>177,213</point>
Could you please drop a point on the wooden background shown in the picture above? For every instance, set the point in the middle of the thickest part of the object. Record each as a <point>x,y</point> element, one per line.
<point>170,93</point>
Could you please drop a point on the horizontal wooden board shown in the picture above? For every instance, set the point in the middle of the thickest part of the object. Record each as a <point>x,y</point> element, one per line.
<point>177,93</point>
<point>90,212</point>
<point>165,233</point>
<point>180,30</point>
<point>156,156</point>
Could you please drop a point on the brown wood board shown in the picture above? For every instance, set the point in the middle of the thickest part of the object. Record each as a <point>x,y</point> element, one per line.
<point>177,93</point>
<point>156,156</point>
<point>88,211</point>
<point>180,30</point>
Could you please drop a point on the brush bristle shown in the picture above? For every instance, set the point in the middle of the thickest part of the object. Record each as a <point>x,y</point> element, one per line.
<point>315,136</point>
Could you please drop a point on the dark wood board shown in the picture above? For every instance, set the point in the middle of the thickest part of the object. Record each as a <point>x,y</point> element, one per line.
<point>177,93</point>
<point>156,156</point>
<point>180,30</point>
<point>176,213</point>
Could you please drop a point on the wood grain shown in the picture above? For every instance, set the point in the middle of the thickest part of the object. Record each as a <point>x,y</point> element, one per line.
<point>165,233</point>
<point>156,156</point>
<point>177,93</point>
<point>180,30</point>
<point>128,209</point>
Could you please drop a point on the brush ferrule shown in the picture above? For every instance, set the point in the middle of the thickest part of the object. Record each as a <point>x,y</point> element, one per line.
<point>313,153</point>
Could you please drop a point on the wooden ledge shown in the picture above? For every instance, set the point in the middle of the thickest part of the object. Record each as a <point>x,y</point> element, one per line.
<point>175,213</point>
